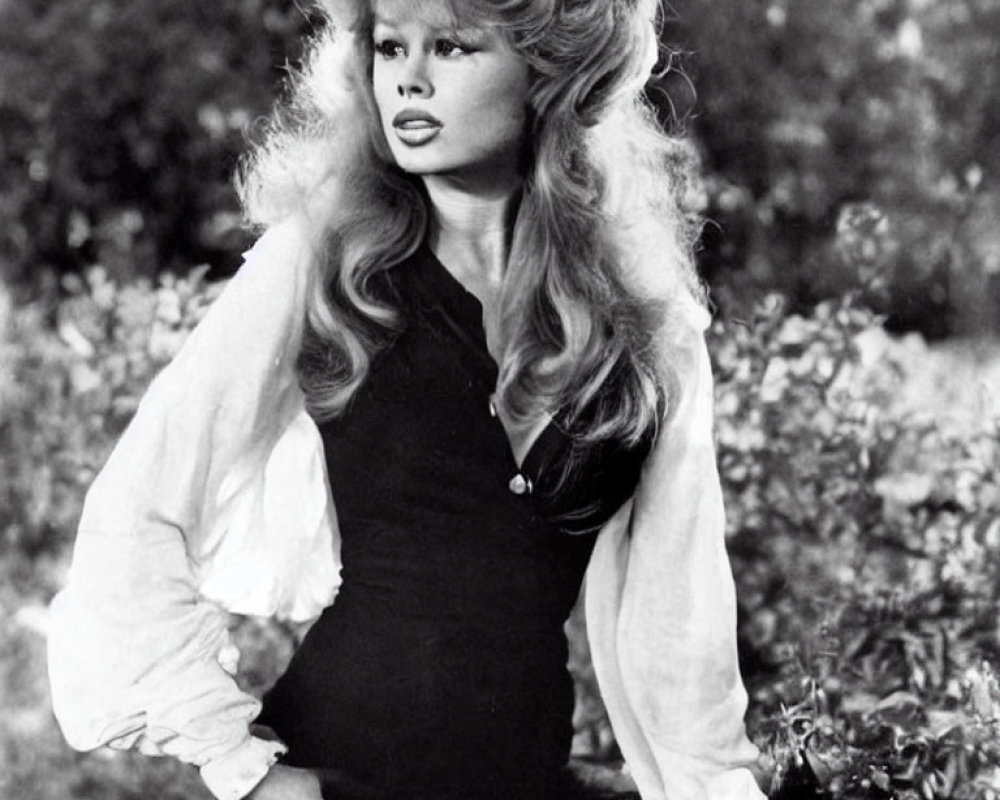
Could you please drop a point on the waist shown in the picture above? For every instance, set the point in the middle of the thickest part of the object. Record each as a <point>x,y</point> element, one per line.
<point>517,580</point>
<point>511,606</point>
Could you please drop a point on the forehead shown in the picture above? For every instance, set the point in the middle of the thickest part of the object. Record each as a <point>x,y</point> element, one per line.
<point>434,13</point>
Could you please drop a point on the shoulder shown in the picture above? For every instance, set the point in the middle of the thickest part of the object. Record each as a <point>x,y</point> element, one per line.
<point>680,343</point>
<point>297,235</point>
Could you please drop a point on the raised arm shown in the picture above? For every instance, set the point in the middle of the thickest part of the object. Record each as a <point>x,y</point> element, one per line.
<point>661,615</point>
<point>182,520</point>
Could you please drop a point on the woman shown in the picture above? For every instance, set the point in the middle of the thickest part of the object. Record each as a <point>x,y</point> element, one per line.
<point>475,276</point>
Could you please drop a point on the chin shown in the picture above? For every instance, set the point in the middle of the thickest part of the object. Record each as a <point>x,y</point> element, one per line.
<point>415,165</point>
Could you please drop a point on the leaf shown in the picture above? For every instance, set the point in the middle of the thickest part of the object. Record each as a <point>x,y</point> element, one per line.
<point>899,700</point>
<point>908,772</point>
<point>989,779</point>
<point>980,695</point>
<point>941,723</point>
<point>881,779</point>
<point>902,710</point>
<point>821,771</point>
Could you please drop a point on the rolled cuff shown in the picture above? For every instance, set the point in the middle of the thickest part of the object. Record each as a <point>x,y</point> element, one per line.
<point>235,774</point>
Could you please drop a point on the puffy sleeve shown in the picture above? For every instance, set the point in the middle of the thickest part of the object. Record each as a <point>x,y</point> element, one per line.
<point>661,614</point>
<point>214,499</point>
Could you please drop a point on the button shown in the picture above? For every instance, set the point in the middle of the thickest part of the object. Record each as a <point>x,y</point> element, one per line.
<point>493,408</point>
<point>519,484</point>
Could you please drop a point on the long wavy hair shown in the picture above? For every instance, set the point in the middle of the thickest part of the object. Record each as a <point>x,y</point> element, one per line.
<point>600,265</point>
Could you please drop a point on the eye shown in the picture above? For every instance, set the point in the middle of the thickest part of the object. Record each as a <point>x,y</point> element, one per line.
<point>388,48</point>
<point>449,48</point>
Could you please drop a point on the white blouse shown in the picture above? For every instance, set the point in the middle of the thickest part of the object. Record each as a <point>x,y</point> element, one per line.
<point>216,499</point>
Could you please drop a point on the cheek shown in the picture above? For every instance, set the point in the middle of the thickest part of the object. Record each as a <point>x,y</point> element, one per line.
<point>509,108</point>
<point>506,97</point>
<point>383,91</point>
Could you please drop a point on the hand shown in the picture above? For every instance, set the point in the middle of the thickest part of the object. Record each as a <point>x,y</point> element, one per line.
<point>287,783</point>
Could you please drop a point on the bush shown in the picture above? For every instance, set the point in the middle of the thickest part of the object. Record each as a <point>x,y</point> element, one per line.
<point>866,545</point>
<point>804,107</point>
<point>121,123</point>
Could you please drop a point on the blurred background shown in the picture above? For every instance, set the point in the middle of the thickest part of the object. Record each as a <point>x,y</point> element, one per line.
<point>850,152</point>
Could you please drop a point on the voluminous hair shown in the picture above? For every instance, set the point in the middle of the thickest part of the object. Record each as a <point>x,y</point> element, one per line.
<point>600,267</point>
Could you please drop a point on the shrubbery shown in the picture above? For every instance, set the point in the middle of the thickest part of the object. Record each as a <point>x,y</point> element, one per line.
<point>121,122</point>
<point>866,544</point>
<point>805,106</point>
<point>864,532</point>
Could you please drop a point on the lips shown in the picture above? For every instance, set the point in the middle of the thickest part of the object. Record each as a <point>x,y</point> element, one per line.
<point>415,128</point>
<point>411,119</point>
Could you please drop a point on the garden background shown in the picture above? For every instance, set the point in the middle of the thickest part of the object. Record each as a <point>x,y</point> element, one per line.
<point>851,156</point>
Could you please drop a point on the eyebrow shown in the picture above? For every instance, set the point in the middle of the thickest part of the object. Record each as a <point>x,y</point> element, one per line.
<point>453,26</point>
<point>472,33</point>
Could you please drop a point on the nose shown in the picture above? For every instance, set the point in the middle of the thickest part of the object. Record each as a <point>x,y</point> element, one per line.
<point>413,78</point>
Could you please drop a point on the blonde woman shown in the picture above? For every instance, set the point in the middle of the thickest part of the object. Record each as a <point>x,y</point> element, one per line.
<point>462,368</point>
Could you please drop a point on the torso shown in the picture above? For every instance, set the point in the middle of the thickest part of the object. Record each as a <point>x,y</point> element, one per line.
<point>440,671</point>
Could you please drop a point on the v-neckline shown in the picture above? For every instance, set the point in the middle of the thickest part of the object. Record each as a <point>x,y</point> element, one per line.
<point>460,301</point>
<point>456,299</point>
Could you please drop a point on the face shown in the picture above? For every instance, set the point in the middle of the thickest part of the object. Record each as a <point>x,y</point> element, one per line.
<point>452,100</point>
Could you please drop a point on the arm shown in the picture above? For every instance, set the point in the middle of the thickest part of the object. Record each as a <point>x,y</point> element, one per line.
<point>136,648</point>
<point>661,615</point>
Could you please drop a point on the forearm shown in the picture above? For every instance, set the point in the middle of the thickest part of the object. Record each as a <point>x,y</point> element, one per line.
<point>134,663</point>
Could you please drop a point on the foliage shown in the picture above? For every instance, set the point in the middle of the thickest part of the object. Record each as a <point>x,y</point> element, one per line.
<point>804,107</point>
<point>866,545</point>
<point>121,123</point>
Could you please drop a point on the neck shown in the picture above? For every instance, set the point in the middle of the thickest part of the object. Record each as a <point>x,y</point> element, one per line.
<point>471,227</point>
